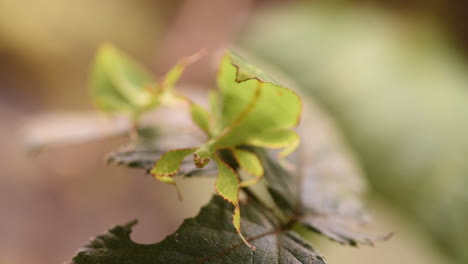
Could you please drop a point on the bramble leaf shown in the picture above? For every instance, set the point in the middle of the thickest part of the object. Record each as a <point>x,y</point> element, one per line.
<point>207,238</point>
<point>135,157</point>
<point>333,216</point>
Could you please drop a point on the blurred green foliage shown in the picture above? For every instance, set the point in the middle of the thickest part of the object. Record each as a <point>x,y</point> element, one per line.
<point>50,44</point>
<point>121,85</point>
<point>398,90</point>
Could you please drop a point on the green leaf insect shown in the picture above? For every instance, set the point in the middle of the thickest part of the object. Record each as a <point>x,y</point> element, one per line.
<point>120,85</point>
<point>249,109</point>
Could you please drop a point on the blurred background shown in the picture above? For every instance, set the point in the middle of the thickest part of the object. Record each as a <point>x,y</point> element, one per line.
<point>392,76</point>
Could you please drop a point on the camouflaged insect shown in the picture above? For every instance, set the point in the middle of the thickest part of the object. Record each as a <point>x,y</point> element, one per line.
<point>248,108</point>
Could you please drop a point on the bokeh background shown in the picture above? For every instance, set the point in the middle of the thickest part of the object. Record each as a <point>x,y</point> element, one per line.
<point>392,76</point>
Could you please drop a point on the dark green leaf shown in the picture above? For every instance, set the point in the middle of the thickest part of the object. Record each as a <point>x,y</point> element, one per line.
<point>135,157</point>
<point>318,205</point>
<point>209,237</point>
<point>336,217</point>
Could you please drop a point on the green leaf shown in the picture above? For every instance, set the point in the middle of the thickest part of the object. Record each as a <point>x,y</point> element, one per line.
<point>119,84</point>
<point>207,238</point>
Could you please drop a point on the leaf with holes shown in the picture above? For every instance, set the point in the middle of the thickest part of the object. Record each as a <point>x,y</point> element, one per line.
<point>207,238</point>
